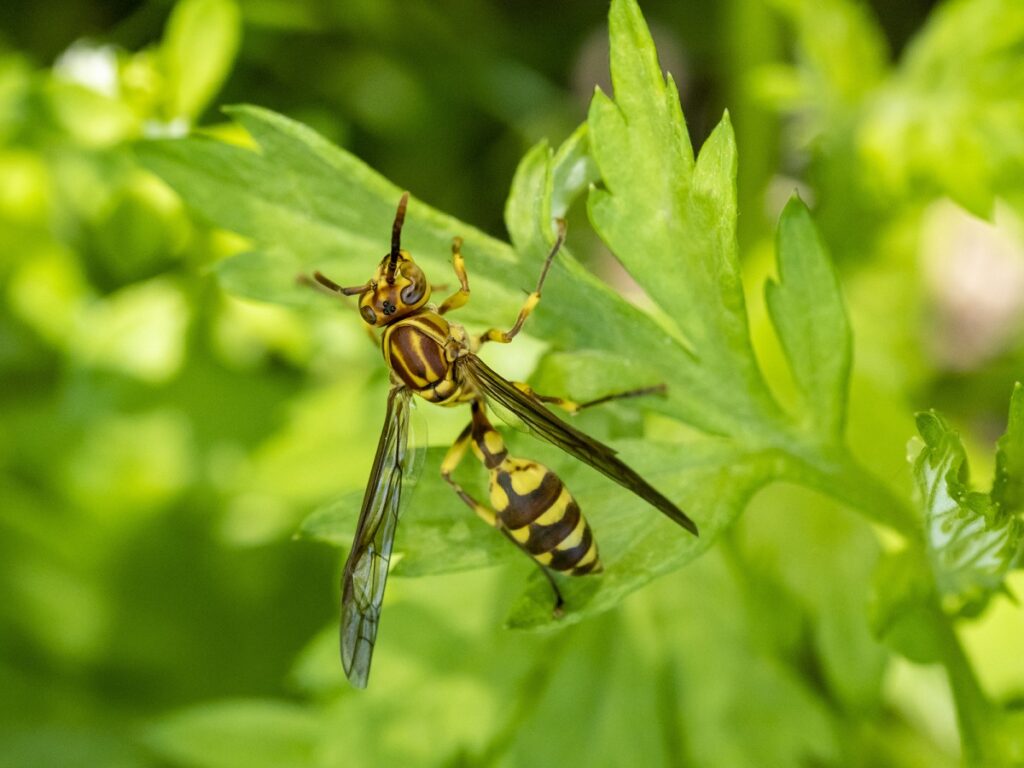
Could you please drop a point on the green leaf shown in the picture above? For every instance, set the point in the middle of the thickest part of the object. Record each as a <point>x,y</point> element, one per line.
<point>902,611</point>
<point>716,476</point>
<point>725,674</point>
<point>1008,486</point>
<point>197,53</point>
<point>305,204</point>
<point>946,121</point>
<point>962,81</point>
<point>807,567</point>
<point>438,533</point>
<point>842,54</point>
<point>970,545</point>
<point>232,734</point>
<point>807,309</point>
<point>672,224</point>
<point>51,744</point>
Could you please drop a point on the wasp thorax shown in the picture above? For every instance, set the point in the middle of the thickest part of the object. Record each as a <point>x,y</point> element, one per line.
<point>398,288</point>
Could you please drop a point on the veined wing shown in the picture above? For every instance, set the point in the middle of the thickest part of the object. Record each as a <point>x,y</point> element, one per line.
<point>545,424</point>
<point>366,570</point>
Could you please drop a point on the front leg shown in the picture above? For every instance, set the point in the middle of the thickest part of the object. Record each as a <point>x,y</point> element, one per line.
<point>461,296</point>
<point>504,337</point>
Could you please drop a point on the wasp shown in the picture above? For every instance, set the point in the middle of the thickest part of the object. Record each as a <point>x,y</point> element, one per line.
<point>436,359</point>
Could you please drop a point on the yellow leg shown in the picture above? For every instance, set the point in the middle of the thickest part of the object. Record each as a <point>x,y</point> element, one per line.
<point>504,337</point>
<point>461,296</point>
<point>452,459</point>
<point>571,406</point>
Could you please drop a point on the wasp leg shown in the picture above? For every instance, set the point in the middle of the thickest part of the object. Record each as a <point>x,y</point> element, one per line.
<point>504,337</point>
<point>558,609</point>
<point>452,460</point>
<point>571,406</point>
<point>461,296</point>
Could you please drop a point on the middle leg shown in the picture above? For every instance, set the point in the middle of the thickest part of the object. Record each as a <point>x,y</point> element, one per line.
<point>571,406</point>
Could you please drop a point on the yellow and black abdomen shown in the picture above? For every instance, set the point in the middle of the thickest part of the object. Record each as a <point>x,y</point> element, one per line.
<point>536,509</point>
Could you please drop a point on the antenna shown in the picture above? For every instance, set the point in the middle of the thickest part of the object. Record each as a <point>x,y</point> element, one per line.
<point>396,236</point>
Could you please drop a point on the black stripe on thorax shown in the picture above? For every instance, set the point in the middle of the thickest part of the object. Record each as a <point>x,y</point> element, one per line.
<point>416,357</point>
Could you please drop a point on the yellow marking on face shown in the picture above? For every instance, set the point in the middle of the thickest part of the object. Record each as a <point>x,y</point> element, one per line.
<point>499,499</point>
<point>575,537</point>
<point>556,511</point>
<point>544,558</point>
<point>527,478</point>
<point>522,535</point>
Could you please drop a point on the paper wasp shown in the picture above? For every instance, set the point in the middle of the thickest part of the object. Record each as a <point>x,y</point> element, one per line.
<point>436,359</point>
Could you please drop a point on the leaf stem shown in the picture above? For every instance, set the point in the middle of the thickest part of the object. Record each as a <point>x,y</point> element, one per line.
<point>534,686</point>
<point>846,480</point>
<point>839,475</point>
<point>980,731</point>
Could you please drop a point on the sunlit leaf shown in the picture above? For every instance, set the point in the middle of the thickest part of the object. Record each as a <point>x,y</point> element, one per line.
<point>669,218</point>
<point>230,734</point>
<point>1008,486</point>
<point>971,546</point>
<point>197,51</point>
<point>807,309</point>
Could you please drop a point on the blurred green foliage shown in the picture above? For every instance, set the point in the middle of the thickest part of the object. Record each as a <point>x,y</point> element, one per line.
<point>175,407</point>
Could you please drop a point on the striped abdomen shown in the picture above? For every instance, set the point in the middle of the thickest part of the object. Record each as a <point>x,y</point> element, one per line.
<point>543,518</point>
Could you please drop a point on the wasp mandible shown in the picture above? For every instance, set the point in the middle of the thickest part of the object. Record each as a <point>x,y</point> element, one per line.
<point>436,359</point>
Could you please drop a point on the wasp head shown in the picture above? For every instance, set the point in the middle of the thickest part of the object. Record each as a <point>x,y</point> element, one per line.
<point>397,288</point>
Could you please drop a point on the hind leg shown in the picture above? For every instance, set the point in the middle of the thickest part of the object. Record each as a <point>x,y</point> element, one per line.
<point>452,460</point>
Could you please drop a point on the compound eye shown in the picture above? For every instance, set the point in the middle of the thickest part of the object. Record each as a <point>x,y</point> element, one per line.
<point>413,292</point>
<point>368,314</point>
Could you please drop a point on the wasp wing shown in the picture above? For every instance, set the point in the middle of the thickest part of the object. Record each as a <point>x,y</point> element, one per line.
<point>366,570</point>
<point>545,424</point>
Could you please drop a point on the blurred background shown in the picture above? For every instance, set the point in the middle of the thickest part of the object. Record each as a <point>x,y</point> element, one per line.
<point>161,441</point>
